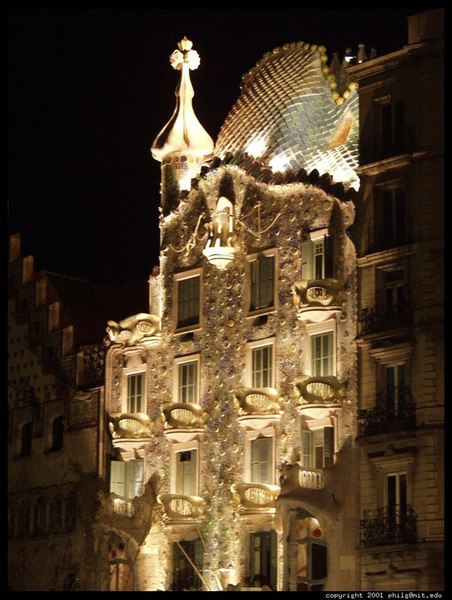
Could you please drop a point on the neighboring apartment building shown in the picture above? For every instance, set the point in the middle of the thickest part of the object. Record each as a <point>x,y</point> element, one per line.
<point>56,438</point>
<point>399,236</point>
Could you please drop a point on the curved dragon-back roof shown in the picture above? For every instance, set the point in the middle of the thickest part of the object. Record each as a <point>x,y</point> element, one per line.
<point>295,113</point>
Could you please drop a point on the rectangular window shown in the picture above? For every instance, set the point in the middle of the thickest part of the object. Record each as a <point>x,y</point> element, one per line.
<point>263,559</point>
<point>185,576</point>
<point>262,283</point>
<point>188,382</point>
<point>262,366</point>
<point>395,389</point>
<point>318,448</point>
<point>393,129</point>
<point>126,478</point>
<point>262,460</point>
<point>396,496</point>
<point>322,354</point>
<point>188,301</point>
<point>186,467</point>
<point>135,389</point>
<point>394,290</point>
<point>316,257</point>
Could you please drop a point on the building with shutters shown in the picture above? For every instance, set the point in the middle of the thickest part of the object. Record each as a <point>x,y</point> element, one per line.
<point>235,398</point>
<point>400,245</point>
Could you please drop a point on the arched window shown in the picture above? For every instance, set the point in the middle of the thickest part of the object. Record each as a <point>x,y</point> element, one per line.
<point>57,434</point>
<point>26,437</point>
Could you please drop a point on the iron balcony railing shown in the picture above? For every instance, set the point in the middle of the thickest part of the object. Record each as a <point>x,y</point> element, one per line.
<point>382,317</point>
<point>386,237</point>
<point>394,410</point>
<point>388,525</point>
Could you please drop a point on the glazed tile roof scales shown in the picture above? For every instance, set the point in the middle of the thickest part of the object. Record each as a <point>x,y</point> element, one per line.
<point>291,114</point>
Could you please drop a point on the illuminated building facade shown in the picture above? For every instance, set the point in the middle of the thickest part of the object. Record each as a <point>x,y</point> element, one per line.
<point>236,396</point>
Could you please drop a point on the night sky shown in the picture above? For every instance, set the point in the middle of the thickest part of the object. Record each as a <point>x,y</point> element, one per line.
<point>90,89</point>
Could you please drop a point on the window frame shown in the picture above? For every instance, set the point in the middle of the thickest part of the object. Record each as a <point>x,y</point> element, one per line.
<point>177,278</point>
<point>128,372</point>
<point>316,426</point>
<point>180,361</point>
<point>176,449</point>
<point>308,254</point>
<point>252,258</point>
<point>316,329</point>
<point>251,436</point>
<point>126,466</point>
<point>250,347</point>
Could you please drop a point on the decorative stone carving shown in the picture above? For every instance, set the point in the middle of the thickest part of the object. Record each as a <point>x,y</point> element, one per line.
<point>142,327</point>
<point>130,425</point>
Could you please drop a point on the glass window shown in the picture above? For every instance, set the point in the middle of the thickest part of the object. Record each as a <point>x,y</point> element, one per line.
<point>395,389</point>
<point>394,290</point>
<point>188,296</point>
<point>263,563</point>
<point>316,258</point>
<point>396,496</point>
<point>262,282</point>
<point>186,465</point>
<point>262,460</point>
<point>322,353</point>
<point>188,563</point>
<point>126,478</point>
<point>188,382</point>
<point>135,385</point>
<point>318,448</point>
<point>262,366</point>
<point>57,434</point>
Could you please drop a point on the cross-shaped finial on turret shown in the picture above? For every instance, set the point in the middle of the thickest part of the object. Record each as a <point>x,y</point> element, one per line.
<point>185,54</point>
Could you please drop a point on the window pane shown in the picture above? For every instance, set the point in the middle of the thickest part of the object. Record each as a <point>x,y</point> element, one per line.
<point>262,460</point>
<point>134,393</point>
<point>262,372</point>
<point>188,382</point>
<point>262,282</point>
<point>186,473</point>
<point>188,301</point>
<point>322,354</point>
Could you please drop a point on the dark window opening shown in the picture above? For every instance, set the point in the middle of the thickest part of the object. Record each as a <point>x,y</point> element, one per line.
<point>185,576</point>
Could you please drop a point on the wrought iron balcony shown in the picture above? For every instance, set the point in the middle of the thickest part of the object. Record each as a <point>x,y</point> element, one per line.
<point>382,317</point>
<point>179,506</point>
<point>388,525</point>
<point>394,411</point>
<point>312,479</point>
<point>257,401</point>
<point>184,415</point>
<point>130,425</point>
<point>255,496</point>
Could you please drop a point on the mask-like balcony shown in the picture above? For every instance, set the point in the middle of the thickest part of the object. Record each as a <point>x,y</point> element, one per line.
<point>257,401</point>
<point>184,415</point>
<point>318,395</point>
<point>255,497</point>
<point>395,410</point>
<point>388,525</point>
<point>126,426</point>
<point>312,479</point>
<point>316,300</point>
<point>142,328</point>
<point>181,507</point>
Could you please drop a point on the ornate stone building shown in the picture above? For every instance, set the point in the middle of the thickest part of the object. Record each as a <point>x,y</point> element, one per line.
<point>235,398</point>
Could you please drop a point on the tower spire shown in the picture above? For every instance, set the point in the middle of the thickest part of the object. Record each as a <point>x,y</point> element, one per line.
<point>183,134</point>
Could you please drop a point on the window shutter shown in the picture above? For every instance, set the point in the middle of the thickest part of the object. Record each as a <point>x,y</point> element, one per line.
<point>266,283</point>
<point>134,470</point>
<point>186,473</point>
<point>328,436</point>
<point>261,460</point>
<point>254,285</point>
<point>328,249</point>
<point>306,260</point>
<point>118,477</point>
<point>306,439</point>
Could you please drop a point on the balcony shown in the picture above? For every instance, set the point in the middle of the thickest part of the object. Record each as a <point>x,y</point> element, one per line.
<point>394,411</point>
<point>130,426</point>
<point>402,143</point>
<point>312,479</point>
<point>382,317</point>
<point>184,415</point>
<point>255,497</point>
<point>181,507</point>
<point>388,525</point>
<point>142,328</point>
<point>316,300</point>
<point>318,395</point>
<point>257,401</point>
